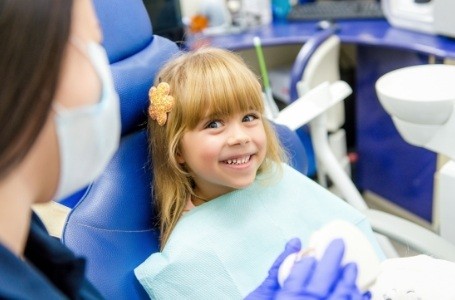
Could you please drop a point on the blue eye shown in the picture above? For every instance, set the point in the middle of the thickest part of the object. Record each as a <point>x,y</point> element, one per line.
<point>214,124</point>
<point>250,118</point>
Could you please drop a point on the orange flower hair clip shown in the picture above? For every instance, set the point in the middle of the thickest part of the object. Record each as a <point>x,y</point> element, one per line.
<point>160,102</point>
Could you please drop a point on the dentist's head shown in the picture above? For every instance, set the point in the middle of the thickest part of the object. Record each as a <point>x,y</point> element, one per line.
<point>59,112</point>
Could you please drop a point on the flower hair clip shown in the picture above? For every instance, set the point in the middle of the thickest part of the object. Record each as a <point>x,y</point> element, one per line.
<point>160,102</point>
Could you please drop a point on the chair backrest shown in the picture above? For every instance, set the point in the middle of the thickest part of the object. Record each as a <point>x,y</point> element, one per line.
<point>113,225</point>
<point>318,62</point>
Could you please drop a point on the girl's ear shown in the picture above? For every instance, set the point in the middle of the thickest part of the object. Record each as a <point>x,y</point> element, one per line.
<point>179,157</point>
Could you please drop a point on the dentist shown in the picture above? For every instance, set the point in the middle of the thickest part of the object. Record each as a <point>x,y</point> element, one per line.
<point>60,126</point>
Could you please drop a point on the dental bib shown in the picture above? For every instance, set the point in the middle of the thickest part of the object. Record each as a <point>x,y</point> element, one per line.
<point>224,248</point>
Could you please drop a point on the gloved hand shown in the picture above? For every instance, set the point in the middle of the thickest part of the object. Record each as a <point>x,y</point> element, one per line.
<point>310,279</point>
<point>270,285</point>
<point>346,287</point>
<point>324,279</point>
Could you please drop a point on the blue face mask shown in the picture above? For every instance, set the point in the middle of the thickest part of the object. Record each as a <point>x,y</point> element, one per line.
<point>88,136</point>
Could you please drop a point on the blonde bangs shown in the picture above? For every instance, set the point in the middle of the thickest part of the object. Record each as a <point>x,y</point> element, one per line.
<point>208,88</point>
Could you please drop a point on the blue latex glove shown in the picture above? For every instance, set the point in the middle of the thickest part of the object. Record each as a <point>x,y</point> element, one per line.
<point>270,285</point>
<point>346,287</point>
<point>324,279</point>
<point>310,279</point>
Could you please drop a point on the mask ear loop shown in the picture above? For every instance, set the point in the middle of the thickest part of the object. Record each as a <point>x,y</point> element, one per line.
<point>57,107</point>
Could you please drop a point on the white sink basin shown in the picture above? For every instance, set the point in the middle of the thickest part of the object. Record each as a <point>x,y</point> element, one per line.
<point>420,94</point>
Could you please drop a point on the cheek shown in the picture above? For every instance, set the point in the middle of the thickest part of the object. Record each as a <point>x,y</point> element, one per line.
<point>207,148</point>
<point>197,148</point>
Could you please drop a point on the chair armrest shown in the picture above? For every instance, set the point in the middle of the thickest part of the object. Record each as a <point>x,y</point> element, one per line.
<point>312,104</point>
<point>408,233</point>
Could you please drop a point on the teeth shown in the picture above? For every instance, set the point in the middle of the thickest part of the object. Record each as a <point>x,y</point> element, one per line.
<point>238,161</point>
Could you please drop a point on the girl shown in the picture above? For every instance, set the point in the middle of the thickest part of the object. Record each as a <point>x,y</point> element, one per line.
<point>214,86</point>
<point>226,201</point>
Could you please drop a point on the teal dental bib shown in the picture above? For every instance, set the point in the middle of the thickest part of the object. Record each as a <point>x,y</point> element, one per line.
<point>224,248</point>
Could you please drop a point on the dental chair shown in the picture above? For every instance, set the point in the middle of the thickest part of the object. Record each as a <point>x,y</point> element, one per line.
<point>114,224</point>
<point>311,107</point>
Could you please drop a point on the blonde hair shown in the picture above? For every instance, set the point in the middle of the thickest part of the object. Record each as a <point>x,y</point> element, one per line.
<point>208,79</point>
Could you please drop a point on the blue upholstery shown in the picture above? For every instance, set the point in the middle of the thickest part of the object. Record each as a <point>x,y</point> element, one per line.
<point>113,225</point>
<point>135,55</point>
<point>294,148</point>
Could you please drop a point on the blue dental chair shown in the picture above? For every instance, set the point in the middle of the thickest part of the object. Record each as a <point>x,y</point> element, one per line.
<point>113,224</point>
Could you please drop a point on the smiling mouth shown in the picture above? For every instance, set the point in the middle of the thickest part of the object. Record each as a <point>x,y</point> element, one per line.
<point>238,161</point>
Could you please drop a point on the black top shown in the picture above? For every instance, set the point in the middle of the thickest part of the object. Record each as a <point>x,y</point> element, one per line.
<point>50,270</point>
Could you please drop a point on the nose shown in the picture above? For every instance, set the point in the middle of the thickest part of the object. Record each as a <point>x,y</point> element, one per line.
<point>238,136</point>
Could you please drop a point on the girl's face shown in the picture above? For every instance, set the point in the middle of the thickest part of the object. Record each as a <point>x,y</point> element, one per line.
<point>224,154</point>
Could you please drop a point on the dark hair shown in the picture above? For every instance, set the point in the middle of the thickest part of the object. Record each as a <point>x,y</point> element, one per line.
<point>34,35</point>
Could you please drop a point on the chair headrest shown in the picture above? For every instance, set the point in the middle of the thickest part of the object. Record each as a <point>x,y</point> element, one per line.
<point>126,27</point>
<point>134,76</point>
<point>304,56</point>
<point>135,55</point>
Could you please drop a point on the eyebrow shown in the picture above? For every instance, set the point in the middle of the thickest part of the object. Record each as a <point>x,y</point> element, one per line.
<point>214,115</point>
